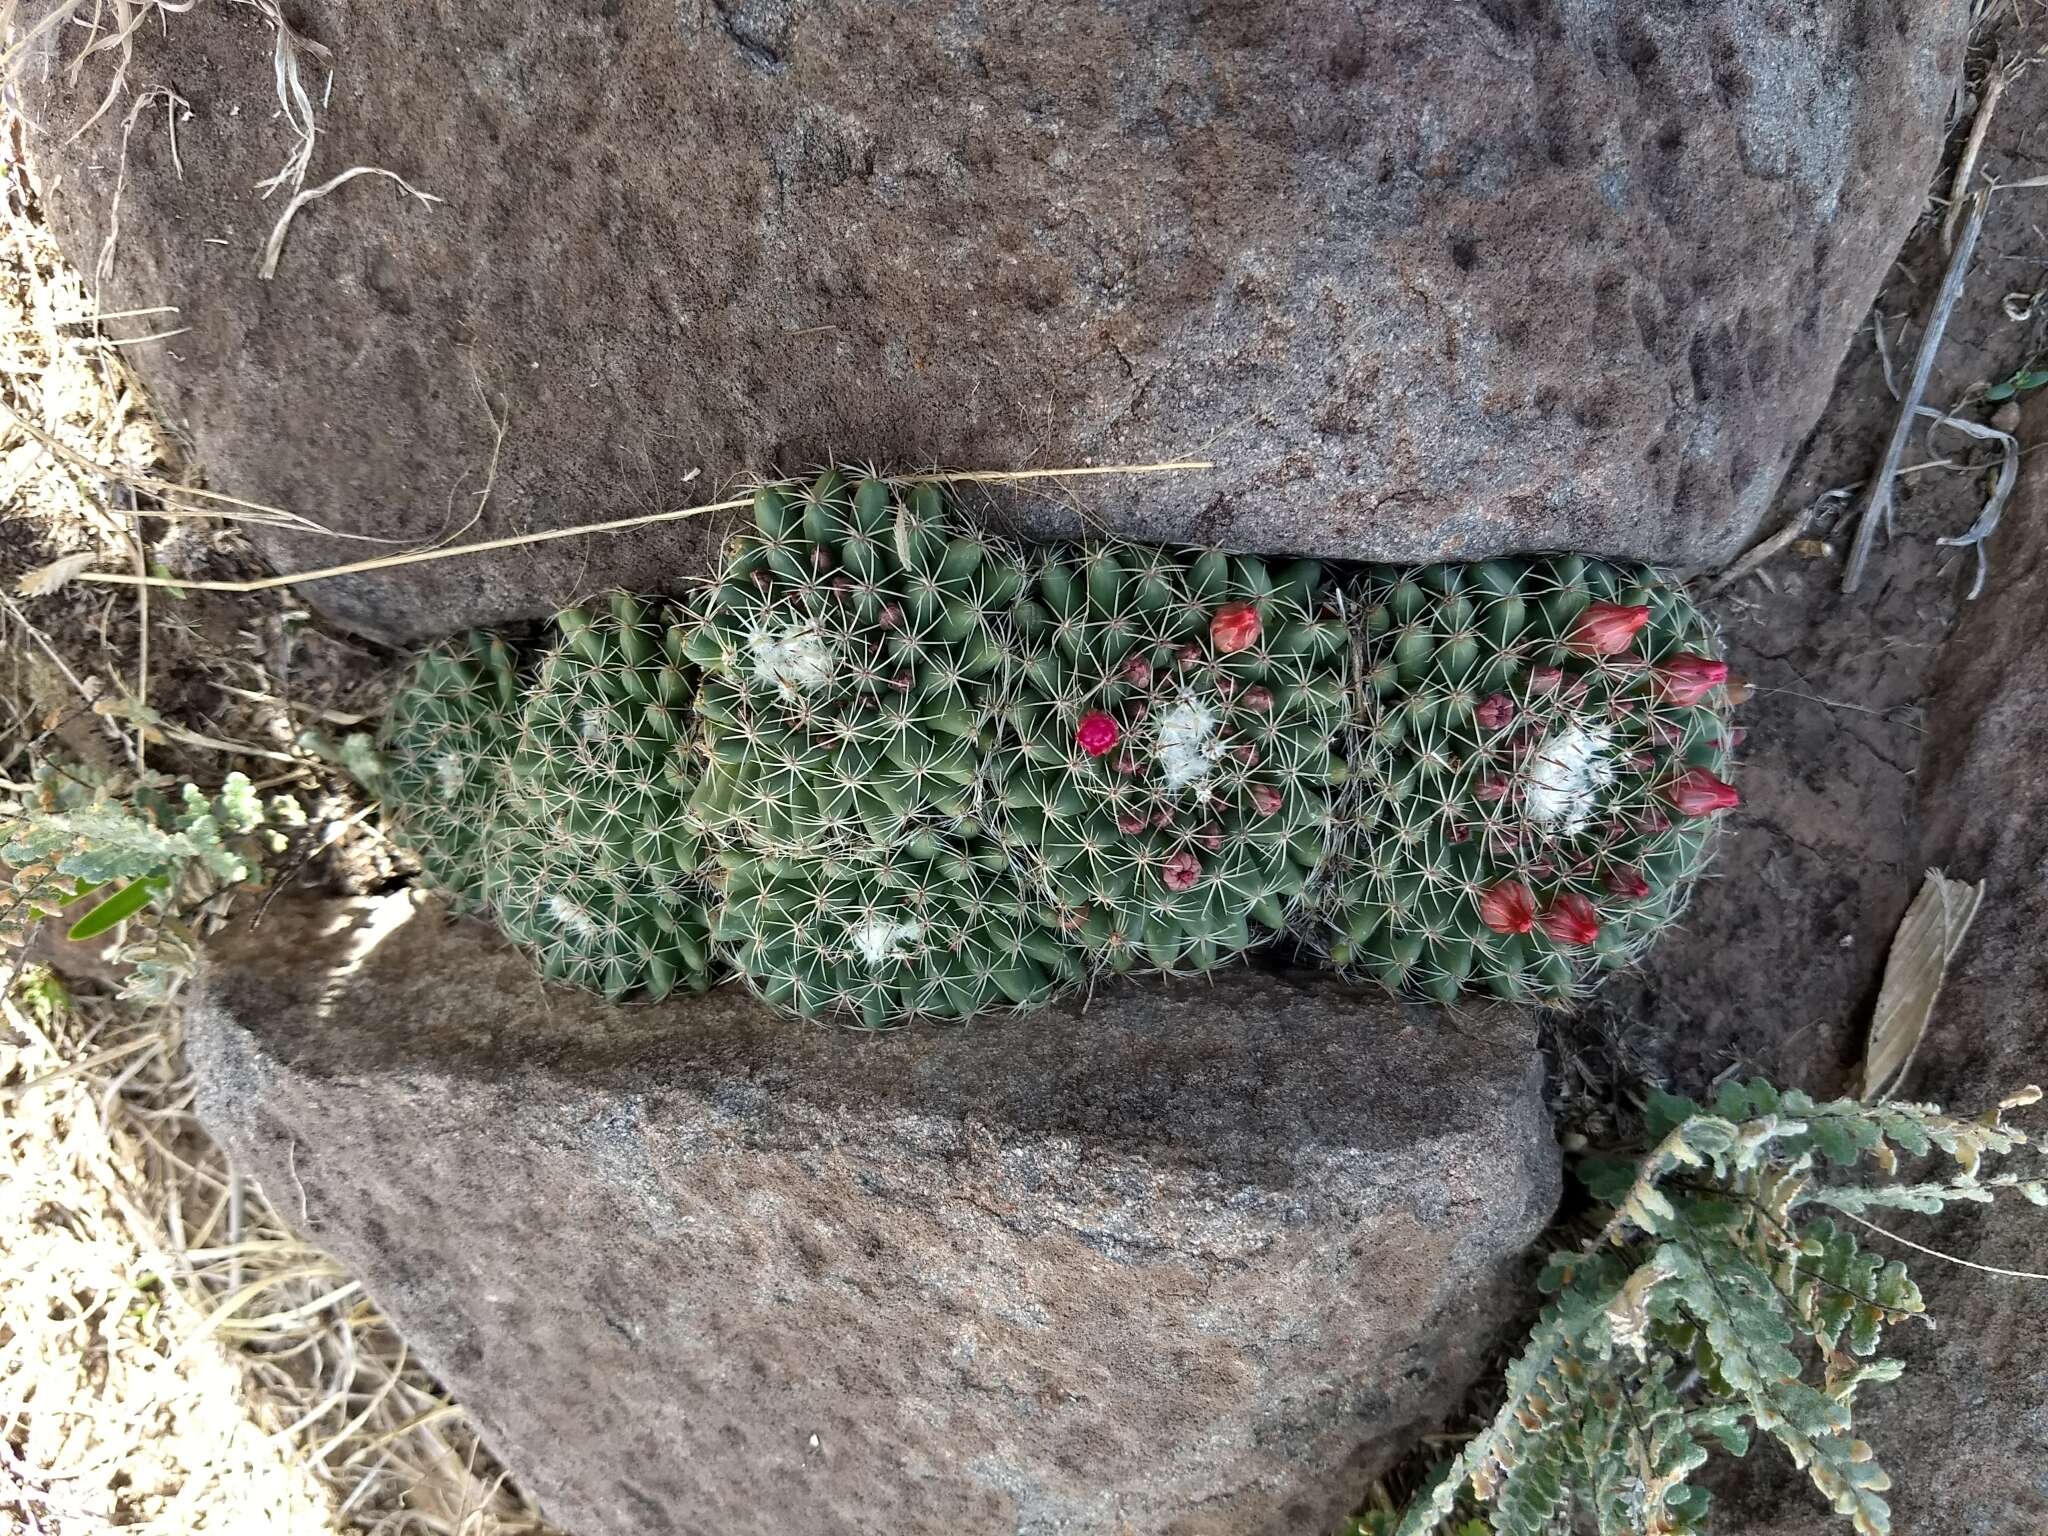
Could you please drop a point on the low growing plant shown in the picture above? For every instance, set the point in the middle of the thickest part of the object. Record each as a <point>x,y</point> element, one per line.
<point>105,853</point>
<point>1725,1295</point>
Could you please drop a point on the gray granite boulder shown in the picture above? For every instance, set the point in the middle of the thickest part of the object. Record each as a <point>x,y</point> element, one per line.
<point>1191,1258</point>
<point>1425,279</point>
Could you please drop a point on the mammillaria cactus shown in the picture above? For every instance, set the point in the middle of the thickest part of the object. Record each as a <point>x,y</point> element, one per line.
<point>925,934</point>
<point>445,743</point>
<point>850,647</point>
<point>1536,764</point>
<point>1164,760</point>
<point>603,751</point>
<point>606,928</point>
<point>594,865</point>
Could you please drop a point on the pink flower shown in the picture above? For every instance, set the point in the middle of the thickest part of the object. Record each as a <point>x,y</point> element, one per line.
<point>1131,824</point>
<point>1182,871</point>
<point>1495,711</point>
<point>1508,908</point>
<point>1265,799</point>
<point>1627,881</point>
<point>1570,919</point>
<point>1697,792</point>
<point>1097,734</point>
<point>1257,700</point>
<point>1545,679</point>
<point>1235,628</point>
<point>1606,629</point>
<point>1686,678</point>
<point>1138,672</point>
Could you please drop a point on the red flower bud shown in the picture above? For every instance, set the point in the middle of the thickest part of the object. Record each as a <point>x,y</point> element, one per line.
<point>1131,825</point>
<point>1606,629</point>
<point>1697,792</point>
<point>1508,908</point>
<point>1138,672</point>
<point>1493,787</point>
<point>1187,655</point>
<point>1266,799</point>
<point>890,616</point>
<point>1097,733</point>
<point>1127,764</point>
<point>1652,822</point>
<point>901,681</point>
<point>1544,679</point>
<point>1257,700</point>
<point>1459,833</point>
<point>1737,735</point>
<point>1643,762</point>
<point>1686,678</point>
<point>1495,711</point>
<point>1570,919</point>
<point>1226,685</point>
<point>1163,817</point>
<point>1181,871</point>
<point>1627,881</point>
<point>1246,753</point>
<point>1071,918</point>
<point>1235,628</point>
<point>1211,838</point>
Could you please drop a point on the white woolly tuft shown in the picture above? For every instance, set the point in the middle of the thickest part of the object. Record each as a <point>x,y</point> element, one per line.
<point>1187,746</point>
<point>572,918</point>
<point>876,942</point>
<point>797,661</point>
<point>1566,775</point>
<point>449,774</point>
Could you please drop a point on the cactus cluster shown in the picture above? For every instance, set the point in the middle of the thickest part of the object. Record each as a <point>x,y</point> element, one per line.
<point>850,650</point>
<point>931,933</point>
<point>1163,759</point>
<point>445,744</point>
<point>592,864</point>
<point>1536,759</point>
<point>888,767</point>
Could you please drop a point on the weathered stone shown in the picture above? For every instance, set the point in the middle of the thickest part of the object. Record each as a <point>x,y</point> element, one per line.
<point>1187,1259</point>
<point>1425,279</point>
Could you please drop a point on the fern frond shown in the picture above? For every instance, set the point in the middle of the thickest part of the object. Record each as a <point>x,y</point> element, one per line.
<point>1715,1300</point>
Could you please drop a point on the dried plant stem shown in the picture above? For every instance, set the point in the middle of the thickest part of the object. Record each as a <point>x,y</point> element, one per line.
<point>1966,164</point>
<point>1876,510</point>
<point>385,562</point>
<point>274,247</point>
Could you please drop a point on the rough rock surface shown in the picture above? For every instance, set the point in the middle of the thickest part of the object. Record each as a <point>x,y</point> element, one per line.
<point>1425,279</point>
<point>1193,1260</point>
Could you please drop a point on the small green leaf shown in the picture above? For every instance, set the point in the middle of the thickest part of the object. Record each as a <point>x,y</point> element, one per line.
<point>117,908</point>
